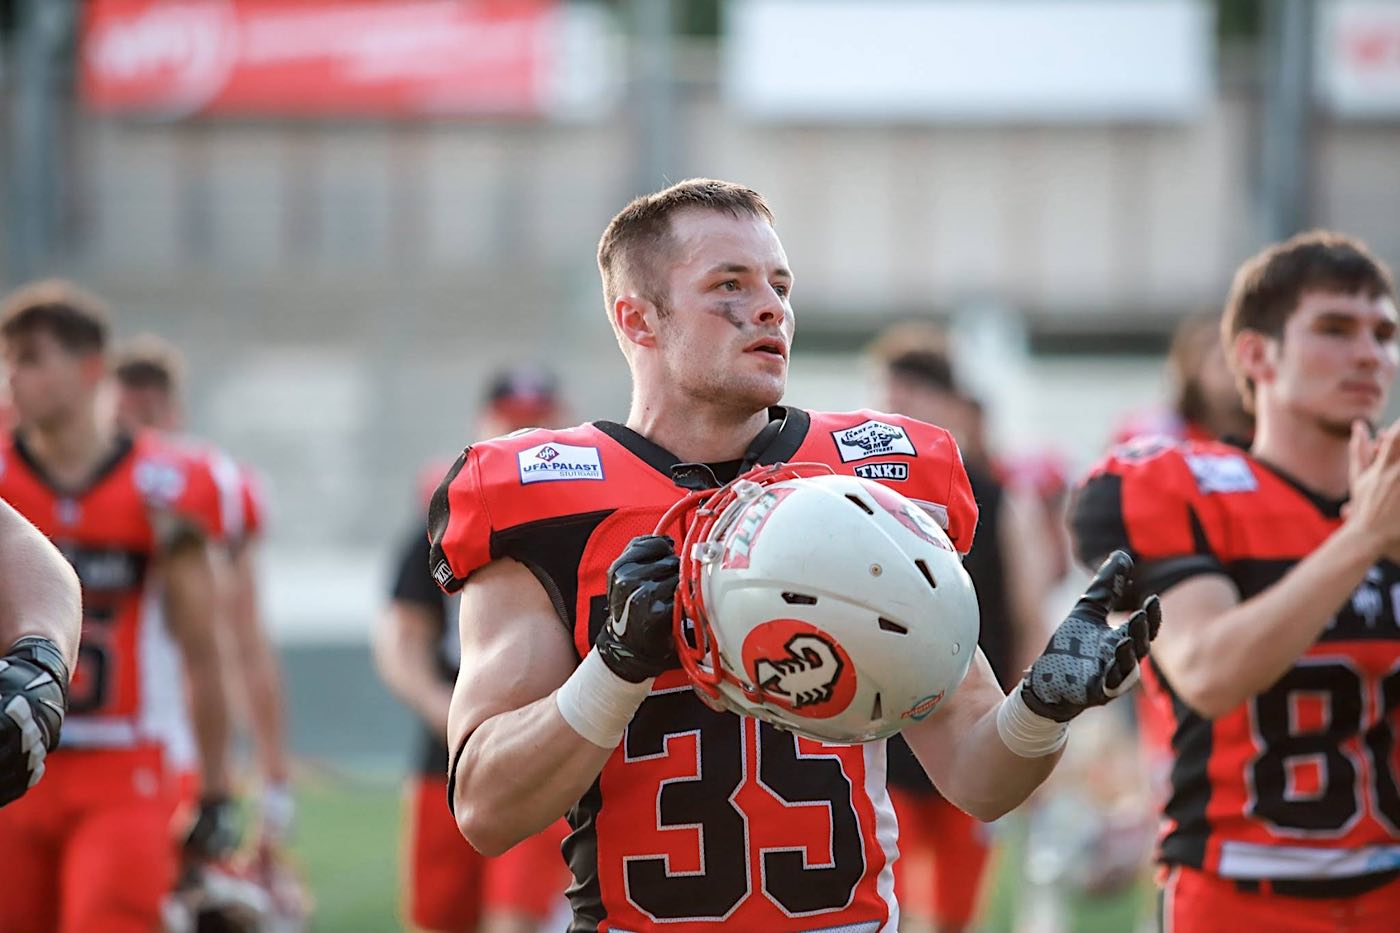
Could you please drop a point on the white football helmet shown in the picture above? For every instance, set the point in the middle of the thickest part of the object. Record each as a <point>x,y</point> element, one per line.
<point>830,606</point>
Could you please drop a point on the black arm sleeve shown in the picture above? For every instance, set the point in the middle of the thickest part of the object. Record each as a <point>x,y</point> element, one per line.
<point>412,582</point>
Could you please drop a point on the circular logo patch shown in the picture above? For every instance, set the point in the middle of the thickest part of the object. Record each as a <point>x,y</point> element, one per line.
<point>800,668</point>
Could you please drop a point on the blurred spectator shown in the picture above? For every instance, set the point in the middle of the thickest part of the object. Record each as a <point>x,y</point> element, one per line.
<point>450,886</point>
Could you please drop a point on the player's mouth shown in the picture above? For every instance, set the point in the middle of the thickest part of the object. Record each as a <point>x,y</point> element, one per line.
<point>771,346</point>
<point>1363,389</point>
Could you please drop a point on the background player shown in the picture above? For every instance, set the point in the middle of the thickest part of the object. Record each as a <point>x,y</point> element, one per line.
<point>697,290</point>
<point>150,380</point>
<point>451,887</point>
<point>133,516</point>
<point>41,614</point>
<point>1276,682</point>
<point>916,378</point>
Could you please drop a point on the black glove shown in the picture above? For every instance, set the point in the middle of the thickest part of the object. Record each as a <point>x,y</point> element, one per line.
<point>214,833</point>
<point>637,642</point>
<point>33,699</point>
<point>1087,663</point>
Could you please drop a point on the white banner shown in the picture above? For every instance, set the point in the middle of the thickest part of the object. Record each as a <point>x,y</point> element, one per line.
<point>1358,57</point>
<point>1021,60</point>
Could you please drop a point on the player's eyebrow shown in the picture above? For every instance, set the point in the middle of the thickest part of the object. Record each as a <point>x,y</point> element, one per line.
<point>738,268</point>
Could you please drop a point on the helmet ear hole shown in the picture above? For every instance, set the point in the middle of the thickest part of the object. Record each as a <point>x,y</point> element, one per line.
<point>860,503</point>
<point>888,625</point>
<point>928,574</point>
<point>799,599</point>
<point>877,709</point>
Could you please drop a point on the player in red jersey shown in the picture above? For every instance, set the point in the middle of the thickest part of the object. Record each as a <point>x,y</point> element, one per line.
<point>1278,680</point>
<point>89,848</point>
<point>450,886</point>
<point>569,696</point>
<point>40,617</point>
<point>150,375</point>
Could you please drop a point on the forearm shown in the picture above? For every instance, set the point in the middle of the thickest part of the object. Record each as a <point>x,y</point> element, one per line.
<point>262,679</point>
<point>192,603</point>
<point>39,592</point>
<point>404,649</point>
<point>1252,645</point>
<point>981,776</point>
<point>519,772</point>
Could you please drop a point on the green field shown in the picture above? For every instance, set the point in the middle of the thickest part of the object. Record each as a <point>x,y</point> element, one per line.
<point>348,844</point>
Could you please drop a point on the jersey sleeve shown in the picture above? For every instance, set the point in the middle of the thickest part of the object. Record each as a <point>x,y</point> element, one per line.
<point>1145,503</point>
<point>941,485</point>
<point>459,526</point>
<point>254,503</point>
<point>184,497</point>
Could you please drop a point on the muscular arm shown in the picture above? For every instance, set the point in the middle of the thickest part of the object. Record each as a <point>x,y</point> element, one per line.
<point>522,765</point>
<point>964,755</point>
<point>1218,651</point>
<point>260,677</point>
<point>39,592</point>
<point>191,605</point>
<point>405,652</point>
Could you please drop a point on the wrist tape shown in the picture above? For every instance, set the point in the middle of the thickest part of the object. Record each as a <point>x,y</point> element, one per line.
<point>598,704</point>
<point>1027,733</point>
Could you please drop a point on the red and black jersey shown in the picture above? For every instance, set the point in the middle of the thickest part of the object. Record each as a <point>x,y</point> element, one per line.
<point>126,689</point>
<point>1303,779</point>
<point>699,817</point>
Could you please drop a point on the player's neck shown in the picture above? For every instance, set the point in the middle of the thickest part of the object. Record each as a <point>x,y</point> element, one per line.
<point>72,450</point>
<point>1306,452</point>
<point>698,434</point>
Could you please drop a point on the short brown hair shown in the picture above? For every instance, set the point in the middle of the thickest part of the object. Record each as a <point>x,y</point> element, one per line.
<point>77,319</point>
<point>640,234</point>
<point>917,350</point>
<point>1268,287</point>
<point>150,362</point>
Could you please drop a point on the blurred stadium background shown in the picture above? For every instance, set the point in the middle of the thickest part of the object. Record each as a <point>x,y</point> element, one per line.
<point>349,213</point>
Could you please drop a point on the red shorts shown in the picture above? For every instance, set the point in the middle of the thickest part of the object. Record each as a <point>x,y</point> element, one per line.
<point>450,885</point>
<point>942,858</point>
<point>1195,902</point>
<point>89,847</point>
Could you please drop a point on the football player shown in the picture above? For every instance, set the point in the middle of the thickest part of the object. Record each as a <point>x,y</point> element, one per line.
<point>89,847</point>
<point>40,617</point>
<point>150,376</point>
<point>569,698</point>
<point>1277,686</point>
<point>916,378</point>
<point>452,887</point>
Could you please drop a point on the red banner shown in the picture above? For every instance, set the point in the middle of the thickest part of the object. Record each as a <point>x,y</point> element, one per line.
<point>174,58</point>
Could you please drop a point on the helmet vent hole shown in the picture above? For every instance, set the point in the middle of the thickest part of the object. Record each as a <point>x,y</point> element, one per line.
<point>928,575</point>
<point>887,625</point>
<point>799,599</point>
<point>860,504</point>
<point>877,710</point>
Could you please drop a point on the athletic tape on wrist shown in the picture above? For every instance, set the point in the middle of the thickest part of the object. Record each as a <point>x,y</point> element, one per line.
<point>598,704</point>
<point>1027,733</point>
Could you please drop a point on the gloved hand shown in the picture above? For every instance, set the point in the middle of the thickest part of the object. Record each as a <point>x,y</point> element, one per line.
<point>637,641</point>
<point>214,833</point>
<point>1087,663</point>
<point>33,700</point>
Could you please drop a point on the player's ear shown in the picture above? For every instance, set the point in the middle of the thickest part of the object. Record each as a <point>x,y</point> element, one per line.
<point>635,318</point>
<point>1255,355</point>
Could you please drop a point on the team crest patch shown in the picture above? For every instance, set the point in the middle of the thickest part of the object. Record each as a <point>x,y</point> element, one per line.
<point>1222,473</point>
<point>799,667</point>
<point>159,481</point>
<point>547,462</point>
<point>889,472</point>
<point>872,439</point>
